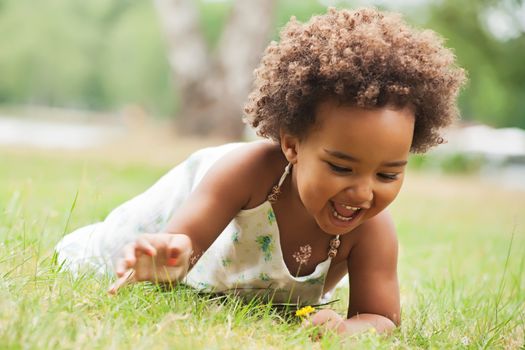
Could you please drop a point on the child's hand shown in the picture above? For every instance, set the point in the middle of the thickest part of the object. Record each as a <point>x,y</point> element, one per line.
<point>330,321</point>
<point>159,257</point>
<point>325,320</point>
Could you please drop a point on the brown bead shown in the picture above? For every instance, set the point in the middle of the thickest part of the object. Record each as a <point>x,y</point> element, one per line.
<point>335,243</point>
<point>332,253</point>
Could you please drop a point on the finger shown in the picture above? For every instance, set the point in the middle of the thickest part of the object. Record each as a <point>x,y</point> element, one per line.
<point>179,247</point>
<point>324,316</point>
<point>314,332</point>
<point>121,266</point>
<point>306,322</point>
<point>142,245</point>
<point>129,259</point>
<point>144,268</point>
<point>127,278</point>
<point>328,319</point>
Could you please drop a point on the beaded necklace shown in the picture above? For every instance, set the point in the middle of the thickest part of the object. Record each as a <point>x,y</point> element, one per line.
<point>274,196</point>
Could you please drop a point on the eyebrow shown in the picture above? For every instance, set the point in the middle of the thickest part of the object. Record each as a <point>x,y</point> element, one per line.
<point>346,156</point>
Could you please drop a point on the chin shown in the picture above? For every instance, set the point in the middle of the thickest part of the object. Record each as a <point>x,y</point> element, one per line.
<point>335,229</point>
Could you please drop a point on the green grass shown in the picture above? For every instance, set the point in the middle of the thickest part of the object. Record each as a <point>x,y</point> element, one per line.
<point>461,267</point>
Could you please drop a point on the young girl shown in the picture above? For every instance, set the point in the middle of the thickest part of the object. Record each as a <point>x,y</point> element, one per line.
<point>343,99</point>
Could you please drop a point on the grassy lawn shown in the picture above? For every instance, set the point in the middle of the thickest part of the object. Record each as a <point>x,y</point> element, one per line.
<point>461,268</point>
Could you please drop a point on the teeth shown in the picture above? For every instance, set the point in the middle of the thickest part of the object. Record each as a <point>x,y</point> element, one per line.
<point>340,217</point>
<point>350,207</point>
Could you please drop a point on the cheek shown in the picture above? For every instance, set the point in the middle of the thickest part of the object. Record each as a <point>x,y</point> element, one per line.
<point>386,195</point>
<point>314,188</point>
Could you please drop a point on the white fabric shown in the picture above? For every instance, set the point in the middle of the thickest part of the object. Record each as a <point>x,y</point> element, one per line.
<point>245,259</point>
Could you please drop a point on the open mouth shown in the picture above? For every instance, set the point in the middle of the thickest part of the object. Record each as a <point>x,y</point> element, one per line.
<point>344,212</point>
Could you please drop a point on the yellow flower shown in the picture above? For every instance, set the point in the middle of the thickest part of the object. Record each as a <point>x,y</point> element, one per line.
<point>304,311</point>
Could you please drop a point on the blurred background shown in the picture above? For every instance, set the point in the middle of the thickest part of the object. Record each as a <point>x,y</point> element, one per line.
<point>99,98</point>
<point>132,79</point>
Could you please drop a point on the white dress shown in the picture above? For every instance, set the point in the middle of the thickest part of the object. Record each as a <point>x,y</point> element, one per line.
<point>245,259</point>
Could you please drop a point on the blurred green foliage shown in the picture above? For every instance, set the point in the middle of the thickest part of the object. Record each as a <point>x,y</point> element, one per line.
<point>107,54</point>
<point>496,93</point>
<point>449,163</point>
<point>87,54</point>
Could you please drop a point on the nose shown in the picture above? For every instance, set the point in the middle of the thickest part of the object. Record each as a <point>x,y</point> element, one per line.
<point>360,193</point>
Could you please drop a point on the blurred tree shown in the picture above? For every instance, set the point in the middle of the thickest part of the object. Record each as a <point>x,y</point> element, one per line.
<point>104,55</point>
<point>488,37</point>
<point>213,86</point>
<point>93,54</point>
<point>107,18</point>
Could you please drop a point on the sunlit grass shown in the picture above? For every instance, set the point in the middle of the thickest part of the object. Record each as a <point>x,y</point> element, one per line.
<point>461,268</point>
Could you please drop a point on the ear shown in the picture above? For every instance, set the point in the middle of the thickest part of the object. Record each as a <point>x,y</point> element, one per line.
<point>289,145</point>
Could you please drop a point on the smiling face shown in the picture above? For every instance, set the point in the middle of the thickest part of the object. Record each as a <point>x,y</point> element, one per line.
<point>350,165</point>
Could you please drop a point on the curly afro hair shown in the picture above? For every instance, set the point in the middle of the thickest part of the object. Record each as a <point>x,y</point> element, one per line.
<point>365,58</point>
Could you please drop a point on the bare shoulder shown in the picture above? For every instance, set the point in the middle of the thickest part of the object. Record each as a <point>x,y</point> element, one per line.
<point>251,169</point>
<point>234,182</point>
<point>377,234</point>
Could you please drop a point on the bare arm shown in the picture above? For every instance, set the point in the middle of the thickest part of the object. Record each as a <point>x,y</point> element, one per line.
<point>223,191</point>
<point>238,181</point>
<point>229,186</point>
<point>374,289</point>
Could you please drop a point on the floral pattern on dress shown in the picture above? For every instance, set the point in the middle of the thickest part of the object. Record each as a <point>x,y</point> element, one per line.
<point>271,216</point>
<point>204,286</point>
<point>159,220</point>
<point>235,237</point>
<point>316,280</point>
<point>266,245</point>
<point>245,255</point>
<point>264,277</point>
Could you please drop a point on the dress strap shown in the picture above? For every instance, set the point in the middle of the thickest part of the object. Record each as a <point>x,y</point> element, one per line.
<point>276,190</point>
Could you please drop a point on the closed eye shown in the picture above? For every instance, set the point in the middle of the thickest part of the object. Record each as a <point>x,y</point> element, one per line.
<point>338,169</point>
<point>388,176</point>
